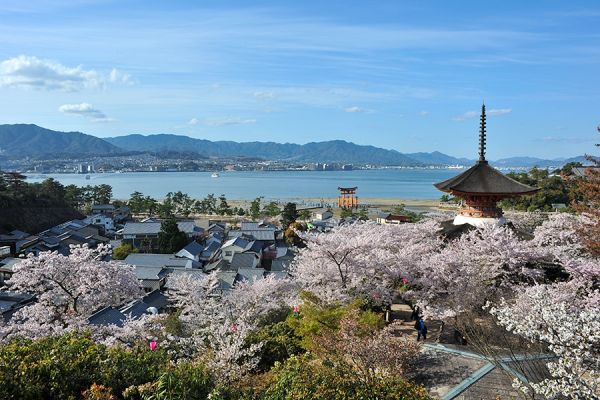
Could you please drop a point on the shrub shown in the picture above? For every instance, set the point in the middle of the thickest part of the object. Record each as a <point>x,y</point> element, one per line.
<point>301,377</point>
<point>63,367</point>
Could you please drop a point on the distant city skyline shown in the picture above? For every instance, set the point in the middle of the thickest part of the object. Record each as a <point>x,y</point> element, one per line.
<point>403,76</point>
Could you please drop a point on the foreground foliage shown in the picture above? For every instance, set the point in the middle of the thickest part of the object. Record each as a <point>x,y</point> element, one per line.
<point>302,377</point>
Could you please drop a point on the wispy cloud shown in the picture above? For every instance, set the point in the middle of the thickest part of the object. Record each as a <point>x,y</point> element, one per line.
<point>228,121</point>
<point>194,121</point>
<point>493,112</point>
<point>85,110</point>
<point>263,95</point>
<point>424,113</point>
<point>357,109</point>
<point>32,72</point>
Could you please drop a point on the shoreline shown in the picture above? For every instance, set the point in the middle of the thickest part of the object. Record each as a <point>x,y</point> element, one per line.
<point>312,203</point>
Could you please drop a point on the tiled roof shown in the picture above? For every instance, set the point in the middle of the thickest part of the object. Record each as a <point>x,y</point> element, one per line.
<point>256,234</point>
<point>243,260</point>
<point>141,228</point>
<point>250,274</point>
<point>145,273</point>
<point>103,207</point>
<point>193,249</point>
<point>160,260</point>
<point>484,179</point>
<point>107,316</point>
<point>226,279</point>
<point>239,242</point>
<point>152,228</point>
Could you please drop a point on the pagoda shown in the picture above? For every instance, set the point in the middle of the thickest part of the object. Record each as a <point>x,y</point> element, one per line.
<point>481,187</point>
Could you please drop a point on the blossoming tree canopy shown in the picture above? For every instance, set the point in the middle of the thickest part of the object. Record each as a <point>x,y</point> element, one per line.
<point>68,289</point>
<point>218,323</point>
<point>361,259</point>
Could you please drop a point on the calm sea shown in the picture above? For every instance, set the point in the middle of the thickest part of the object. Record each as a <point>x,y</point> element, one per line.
<point>276,185</point>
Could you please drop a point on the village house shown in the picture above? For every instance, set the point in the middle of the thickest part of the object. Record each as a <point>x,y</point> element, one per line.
<point>391,219</point>
<point>145,234</point>
<point>235,245</point>
<point>102,220</point>
<point>322,214</point>
<point>103,209</point>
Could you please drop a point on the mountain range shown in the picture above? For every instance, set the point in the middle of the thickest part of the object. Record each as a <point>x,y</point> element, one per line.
<point>27,140</point>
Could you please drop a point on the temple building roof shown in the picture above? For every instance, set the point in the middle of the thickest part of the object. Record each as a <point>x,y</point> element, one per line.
<point>484,179</point>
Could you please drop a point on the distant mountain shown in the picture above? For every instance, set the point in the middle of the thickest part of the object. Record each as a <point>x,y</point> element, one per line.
<point>439,158</point>
<point>536,162</point>
<point>338,151</point>
<point>22,140</point>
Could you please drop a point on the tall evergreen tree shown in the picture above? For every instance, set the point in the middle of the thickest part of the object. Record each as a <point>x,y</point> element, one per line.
<point>170,238</point>
<point>289,214</point>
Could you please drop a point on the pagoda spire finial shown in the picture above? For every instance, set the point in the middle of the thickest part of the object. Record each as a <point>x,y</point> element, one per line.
<point>482,135</point>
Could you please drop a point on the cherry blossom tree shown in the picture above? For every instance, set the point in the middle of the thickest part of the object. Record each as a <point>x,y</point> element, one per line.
<point>466,272</point>
<point>558,235</point>
<point>361,258</point>
<point>68,289</point>
<point>565,317</point>
<point>218,323</point>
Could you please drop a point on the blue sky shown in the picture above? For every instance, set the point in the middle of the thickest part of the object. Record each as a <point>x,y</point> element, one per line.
<point>409,76</point>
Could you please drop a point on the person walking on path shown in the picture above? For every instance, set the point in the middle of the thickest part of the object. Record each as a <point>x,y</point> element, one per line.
<point>421,329</point>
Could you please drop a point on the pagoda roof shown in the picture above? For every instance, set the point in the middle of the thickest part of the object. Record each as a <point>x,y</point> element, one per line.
<point>484,179</point>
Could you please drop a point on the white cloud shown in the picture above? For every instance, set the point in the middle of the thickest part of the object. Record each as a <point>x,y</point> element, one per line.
<point>194,121</point>
<point>262,95</point>
<point>229,121</point>
<point>32,72</point>
<point>117,76</point>
<point>498,111</point>
<point>356,109</point>
<point>424,113</point>
<point>85,110</point>
<point>494,112</point>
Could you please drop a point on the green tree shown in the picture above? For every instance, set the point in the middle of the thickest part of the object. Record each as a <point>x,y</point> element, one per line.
<point>121,252</point>
<point>552,189</point>
<point>290,235</point>
<point>272,209</point>
<point>62,367</point>
<point>208,205</point>
<point>53,189</point>
<point>166,209</point>
<point>224,208</point>
<point>170,238</point>
<point>304,215</point>
<point>150,205</point>
<point>288,215</point>
<point>363,214</point>
<point>303,377</point>
<point>136,202</point>
<point>102,194</point>
<point>347,213</point>
<point>255,208</point>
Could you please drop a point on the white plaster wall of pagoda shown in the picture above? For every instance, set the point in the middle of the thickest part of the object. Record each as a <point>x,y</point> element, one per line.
<point>478,222</point>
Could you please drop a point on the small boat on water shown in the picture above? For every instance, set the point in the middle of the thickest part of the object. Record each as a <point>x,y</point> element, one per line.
<point>215,175</point>
<point>87,177</point>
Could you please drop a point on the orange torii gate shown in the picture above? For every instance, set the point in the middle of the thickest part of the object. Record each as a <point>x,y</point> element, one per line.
<point>347,198</point>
